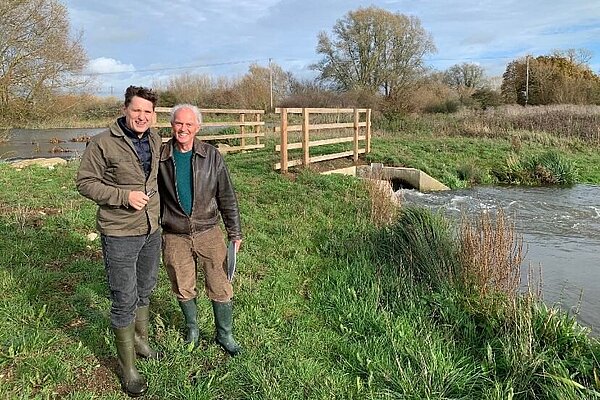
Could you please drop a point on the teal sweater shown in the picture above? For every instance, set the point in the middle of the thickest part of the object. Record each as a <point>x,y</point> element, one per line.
<point>183,180</point>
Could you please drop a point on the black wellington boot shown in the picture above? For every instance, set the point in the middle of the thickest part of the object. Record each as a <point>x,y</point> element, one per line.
<point>224,323</point>
<point>132,382</point>
<point>142,347</point>
<point>190,313</point>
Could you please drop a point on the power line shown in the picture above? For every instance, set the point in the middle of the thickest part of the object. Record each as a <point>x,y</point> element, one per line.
<point>172,68</point>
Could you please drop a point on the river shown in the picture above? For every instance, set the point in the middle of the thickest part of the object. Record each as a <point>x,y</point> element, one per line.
<point>560,229</point>
<point>42,143</point>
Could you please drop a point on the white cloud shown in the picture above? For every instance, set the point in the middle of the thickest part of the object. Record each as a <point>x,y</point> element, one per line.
<point>104,65</point>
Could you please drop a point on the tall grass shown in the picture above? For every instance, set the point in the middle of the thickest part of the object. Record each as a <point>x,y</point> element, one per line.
<point>470,295</point>
<point>548,168</point>
<point>491,254</point>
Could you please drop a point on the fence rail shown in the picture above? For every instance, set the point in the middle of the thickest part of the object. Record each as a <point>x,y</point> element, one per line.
<point>248,128</point>
<point>305,128</point>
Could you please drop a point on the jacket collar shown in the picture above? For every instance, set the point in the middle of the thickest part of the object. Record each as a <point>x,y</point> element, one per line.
<point>198,148</point>
<point>128,132</point>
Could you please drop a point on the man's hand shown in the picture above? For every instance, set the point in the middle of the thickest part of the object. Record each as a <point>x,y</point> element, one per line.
<point>237,244</point>
<point>138,200</point>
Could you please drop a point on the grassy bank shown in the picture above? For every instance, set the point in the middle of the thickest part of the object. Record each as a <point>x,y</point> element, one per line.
<point>503,146</point>
<point>329,305</point>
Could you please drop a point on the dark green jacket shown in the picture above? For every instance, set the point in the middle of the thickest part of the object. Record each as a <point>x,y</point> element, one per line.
<point>213,193</point>
<point>110,169</point>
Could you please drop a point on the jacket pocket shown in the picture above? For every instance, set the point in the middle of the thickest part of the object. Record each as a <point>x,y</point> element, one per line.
<point>124,171</point>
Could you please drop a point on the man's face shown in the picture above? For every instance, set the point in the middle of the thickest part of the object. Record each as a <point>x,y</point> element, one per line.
<point>185,127</point>
<point>139,114</point>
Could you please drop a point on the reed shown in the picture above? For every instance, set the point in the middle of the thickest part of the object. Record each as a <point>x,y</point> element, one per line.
<point>491,254</point>
<point>385,203</point>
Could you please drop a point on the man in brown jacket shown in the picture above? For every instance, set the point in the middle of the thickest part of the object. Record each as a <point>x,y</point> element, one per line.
<point>118,171</point>
<point>196,192</point>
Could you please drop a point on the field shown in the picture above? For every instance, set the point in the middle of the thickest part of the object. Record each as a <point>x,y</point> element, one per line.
<point>339,295</point>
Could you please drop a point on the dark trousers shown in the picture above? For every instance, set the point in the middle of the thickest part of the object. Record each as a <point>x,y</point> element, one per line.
<point>131,264</point>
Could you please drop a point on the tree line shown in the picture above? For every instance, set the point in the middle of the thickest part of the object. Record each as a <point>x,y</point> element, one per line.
<point>371,58</point>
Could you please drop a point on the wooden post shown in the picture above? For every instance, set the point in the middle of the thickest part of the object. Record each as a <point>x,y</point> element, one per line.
<point>356,116</point>
<point>257,129</point>
<point>284,139</point>
<point>243,131</point>
<point>305,138</point>
<point>368,134</point>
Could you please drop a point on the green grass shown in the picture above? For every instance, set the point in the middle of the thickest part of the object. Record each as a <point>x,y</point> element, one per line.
<point>327,306</point>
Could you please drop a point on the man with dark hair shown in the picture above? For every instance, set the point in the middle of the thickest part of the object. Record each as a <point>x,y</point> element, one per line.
<point>118,171</point>
<point>196,192</point>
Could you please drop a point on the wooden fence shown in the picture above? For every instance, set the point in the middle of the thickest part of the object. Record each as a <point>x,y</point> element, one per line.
<point>306,126</point>
<point>249,128</point>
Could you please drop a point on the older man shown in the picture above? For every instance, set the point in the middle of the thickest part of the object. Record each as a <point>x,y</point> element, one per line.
<point>196,191</point>
<point>118,171</point>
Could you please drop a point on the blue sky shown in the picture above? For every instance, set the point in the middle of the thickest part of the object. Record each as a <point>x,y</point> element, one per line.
<point>146,41</point>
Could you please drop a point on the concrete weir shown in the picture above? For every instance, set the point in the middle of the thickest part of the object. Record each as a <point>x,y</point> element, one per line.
<point>399,177</point>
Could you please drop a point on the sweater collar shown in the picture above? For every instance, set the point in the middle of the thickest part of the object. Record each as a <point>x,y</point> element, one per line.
<point>199,148</point>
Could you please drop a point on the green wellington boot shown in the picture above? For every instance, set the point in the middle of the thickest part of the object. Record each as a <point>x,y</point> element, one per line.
<point>132,382</point>
<point>190,313</point>
<point>224,324</point>
<point>142,347</point>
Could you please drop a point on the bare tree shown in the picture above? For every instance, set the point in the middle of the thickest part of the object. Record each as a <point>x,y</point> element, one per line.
<point>38,56</point>
<point>256,87</point>
<point>465,78</point>
<point>373,49</point>
<point>464,75</point>
<point>580,57</point>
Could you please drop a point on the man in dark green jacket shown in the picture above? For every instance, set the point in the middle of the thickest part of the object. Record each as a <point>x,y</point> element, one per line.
<point>118,171</point>
<point>196,191</point>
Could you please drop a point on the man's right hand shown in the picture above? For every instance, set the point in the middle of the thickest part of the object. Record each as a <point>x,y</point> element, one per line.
<point>138,200</point>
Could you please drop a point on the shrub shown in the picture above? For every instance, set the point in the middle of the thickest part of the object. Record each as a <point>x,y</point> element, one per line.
<point>471,173</point>
<point>389,122</point>
<point>549,168</point>
<point>445,107</point>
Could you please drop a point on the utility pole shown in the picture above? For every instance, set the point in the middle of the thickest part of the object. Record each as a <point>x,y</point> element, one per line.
<point>527,80</point>
<point>271,83</point>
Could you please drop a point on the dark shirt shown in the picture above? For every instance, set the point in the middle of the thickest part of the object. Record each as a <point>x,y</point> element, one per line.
<point>141,144</point>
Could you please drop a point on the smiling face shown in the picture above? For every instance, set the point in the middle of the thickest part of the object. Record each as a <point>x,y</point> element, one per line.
<point>139,114</point>
<point>185,127</point>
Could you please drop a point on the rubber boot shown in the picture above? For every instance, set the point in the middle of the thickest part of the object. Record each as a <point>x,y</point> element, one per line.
<point>224,324</point>
<point>142,347</point>
<point>132,382</point>
<point>190,313</point>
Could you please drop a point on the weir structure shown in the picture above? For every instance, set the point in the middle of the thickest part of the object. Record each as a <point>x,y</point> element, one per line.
<point>399,177</point>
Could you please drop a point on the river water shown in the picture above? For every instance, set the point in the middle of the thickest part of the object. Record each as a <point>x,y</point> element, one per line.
<point>560,228</point>
<point>42,143</point>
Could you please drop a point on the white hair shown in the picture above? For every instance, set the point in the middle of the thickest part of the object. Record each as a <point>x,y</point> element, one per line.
<point>191,107</point>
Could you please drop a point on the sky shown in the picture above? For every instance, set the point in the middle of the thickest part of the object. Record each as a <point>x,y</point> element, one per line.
<point>145,42</point>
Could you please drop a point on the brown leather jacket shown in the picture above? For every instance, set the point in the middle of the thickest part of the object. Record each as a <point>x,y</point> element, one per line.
<point>214,194</point>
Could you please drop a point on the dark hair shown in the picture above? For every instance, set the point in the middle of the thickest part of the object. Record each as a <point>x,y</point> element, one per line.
<point>139,91</point>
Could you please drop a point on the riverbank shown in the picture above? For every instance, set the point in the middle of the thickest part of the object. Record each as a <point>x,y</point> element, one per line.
<point>494,146</point>
<point>327,304</point>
